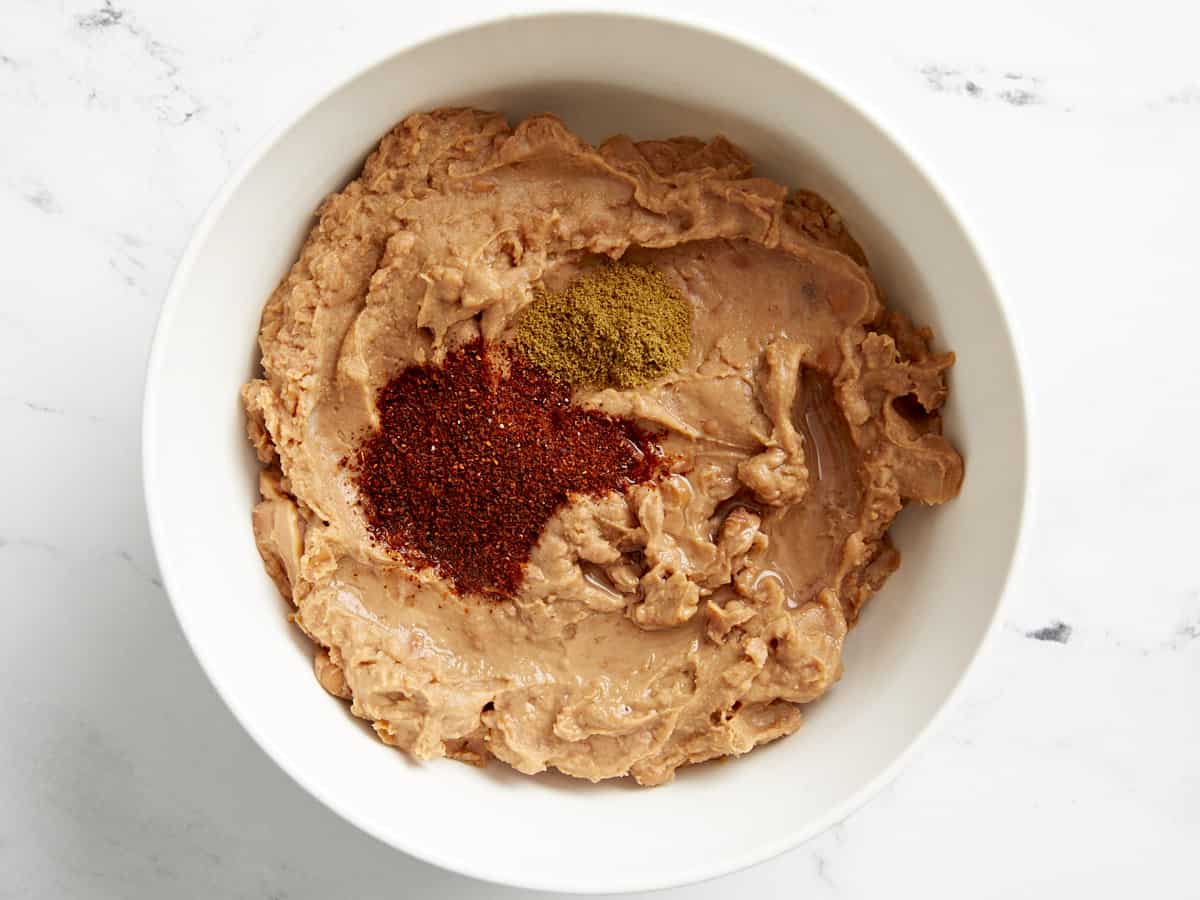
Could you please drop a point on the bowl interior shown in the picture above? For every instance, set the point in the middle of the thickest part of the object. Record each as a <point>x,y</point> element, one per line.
<point>902,662</point>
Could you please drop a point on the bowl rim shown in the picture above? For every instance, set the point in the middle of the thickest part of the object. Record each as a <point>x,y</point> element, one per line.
<point>706,26</point>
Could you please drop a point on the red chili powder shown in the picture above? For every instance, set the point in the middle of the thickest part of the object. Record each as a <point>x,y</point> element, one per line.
<point>474,456</point>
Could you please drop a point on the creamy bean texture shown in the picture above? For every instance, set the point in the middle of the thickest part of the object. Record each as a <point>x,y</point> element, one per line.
<point>686,618</point>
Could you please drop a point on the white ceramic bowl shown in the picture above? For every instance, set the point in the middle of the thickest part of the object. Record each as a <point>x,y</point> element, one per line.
<point>903,661</point>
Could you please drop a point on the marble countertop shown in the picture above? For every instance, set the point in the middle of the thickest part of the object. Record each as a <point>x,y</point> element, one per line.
<point>1068,132</point>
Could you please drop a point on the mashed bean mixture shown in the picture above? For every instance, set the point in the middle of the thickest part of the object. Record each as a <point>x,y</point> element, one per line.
<point>686,617</point>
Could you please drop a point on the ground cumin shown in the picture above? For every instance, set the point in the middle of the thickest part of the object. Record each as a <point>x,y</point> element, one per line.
<point>617,326</point>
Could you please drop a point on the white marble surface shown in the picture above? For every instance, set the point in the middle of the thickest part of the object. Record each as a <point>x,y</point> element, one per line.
<point>1069,132</point>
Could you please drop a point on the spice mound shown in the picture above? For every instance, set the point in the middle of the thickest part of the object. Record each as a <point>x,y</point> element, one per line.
<point>620,325</point>
<point>473,457</point>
